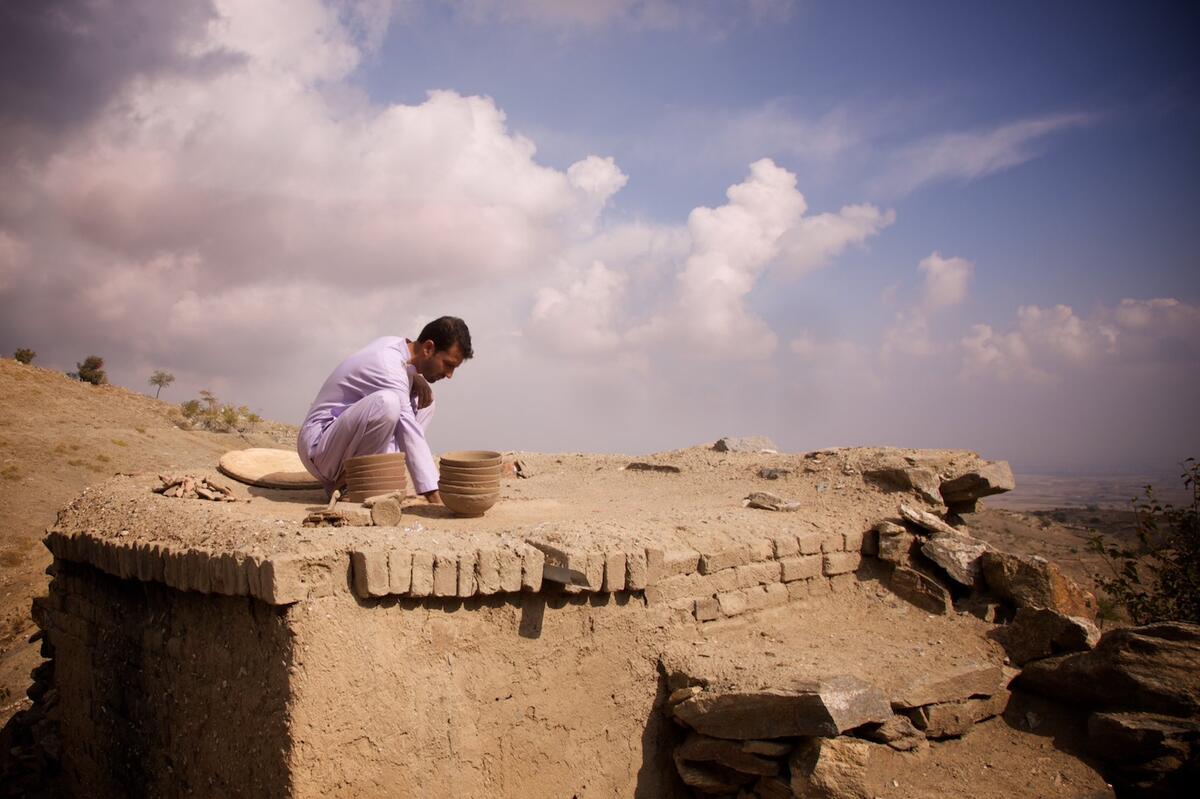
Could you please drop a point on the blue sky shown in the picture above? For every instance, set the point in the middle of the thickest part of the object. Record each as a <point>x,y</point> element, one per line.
<point>920,224</point>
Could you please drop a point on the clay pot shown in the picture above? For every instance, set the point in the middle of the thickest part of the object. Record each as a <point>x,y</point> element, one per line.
<point>468,471</point>
<point>376,471</point>
<point>469,477</point>
<point>388,458</point>
<point>475,505</point>
<point>468,490</point>
<point>472,457</point>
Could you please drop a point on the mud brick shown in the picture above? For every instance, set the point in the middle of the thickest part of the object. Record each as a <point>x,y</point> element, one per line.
<point>852,540</point>
<point>223,574</point>
<point>399,571</point>
<point>870,542</point>
<point>635,571</point>
<point>717,560</point>
<point>593,570</point>
<point>732,603</point>
<point>422,574</point>
<point>614,572</point>
<point>173,568</point>
<point>757,573</point>
<point>681,586</point>
<point>445,574</point>
<point>785,546</point>
<point>126,561</point>
<point>841,562</point>
<point>468,585</point>
<point>487,571</point>
<point>833,542</point>
<point>510,570</point>
<point>281,583</point>
<point>809,543</point>
<point>804,567</point>
<point>241,576</point>
<point>777,594</point>
<point>252,566</point>
<point>762,549</point>
<point>370,570</point>
<point>198,577</point>
<point>707,609</point>
<point>663,563</point>
<point>532,561</point>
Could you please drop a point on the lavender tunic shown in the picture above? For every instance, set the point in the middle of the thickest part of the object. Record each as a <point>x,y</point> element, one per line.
<point>366,407</point>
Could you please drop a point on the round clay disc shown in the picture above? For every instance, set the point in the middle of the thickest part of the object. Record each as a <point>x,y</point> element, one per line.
<point>267,468</point>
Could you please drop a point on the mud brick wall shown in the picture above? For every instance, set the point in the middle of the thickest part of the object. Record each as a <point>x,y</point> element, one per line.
<point>165,692</point>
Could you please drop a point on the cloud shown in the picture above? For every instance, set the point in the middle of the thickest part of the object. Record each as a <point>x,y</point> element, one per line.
<point>945,280</point>
<point>973,154</point>
<point>712,265</point>
<point>943,284</point>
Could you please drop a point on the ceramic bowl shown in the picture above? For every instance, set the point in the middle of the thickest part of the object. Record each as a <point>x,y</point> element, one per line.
<point>374,460</point>
<point>470,470</point>
<point>478,490</point>
<point>376,471</point>
<point>469,505</point>
<point>472,457</point>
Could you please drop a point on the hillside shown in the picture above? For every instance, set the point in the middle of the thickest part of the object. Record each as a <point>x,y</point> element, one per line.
<point>58,435</point>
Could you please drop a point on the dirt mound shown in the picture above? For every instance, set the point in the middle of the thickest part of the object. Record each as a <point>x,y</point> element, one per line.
<point>58,435</point>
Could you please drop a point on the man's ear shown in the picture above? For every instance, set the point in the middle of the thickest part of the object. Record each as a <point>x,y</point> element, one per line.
<point>428,348</point>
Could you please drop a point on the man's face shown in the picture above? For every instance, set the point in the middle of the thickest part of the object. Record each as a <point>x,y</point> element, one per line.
<point>436,364</point>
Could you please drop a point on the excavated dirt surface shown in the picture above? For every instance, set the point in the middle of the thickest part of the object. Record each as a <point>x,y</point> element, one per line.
<point>57,436</point>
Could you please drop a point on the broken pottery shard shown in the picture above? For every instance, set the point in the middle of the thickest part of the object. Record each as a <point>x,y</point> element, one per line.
<point>927,520</point>
<point>1034,582</point>
<point>744,444</point>
<point>920,480</point>
<point>1150,668</point>
<point>919,589</point>
<point>994,477</point>
<point>827,708</point>
<point>958,554</point>
<point>701,748</point>
<point>831,768</point>
<point>976,680</point>
<point>764,500</point>
<point>1040,633</point>
<point>642,466</point>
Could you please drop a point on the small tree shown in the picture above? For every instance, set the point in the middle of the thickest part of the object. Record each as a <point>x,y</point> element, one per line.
<point>91,371</point>
<point>162,380</point>
<point>24,355</point>
<point>1160,580</point>
<point>191,408</point>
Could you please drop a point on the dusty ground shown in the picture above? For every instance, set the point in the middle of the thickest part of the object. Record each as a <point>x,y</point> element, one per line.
<point>57,436</point>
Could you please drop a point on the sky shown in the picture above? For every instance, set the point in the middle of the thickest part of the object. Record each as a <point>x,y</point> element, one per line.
<point>925,224</point>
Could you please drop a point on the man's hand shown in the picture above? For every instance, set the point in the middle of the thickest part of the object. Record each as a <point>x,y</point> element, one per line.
<point>422,391</point>
<point>433,497</point>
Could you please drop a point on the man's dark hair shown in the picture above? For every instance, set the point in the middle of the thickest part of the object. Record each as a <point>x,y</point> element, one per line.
<point>445,332</point>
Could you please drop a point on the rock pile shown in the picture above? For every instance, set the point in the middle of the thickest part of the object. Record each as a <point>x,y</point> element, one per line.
<point>817,739</point>
<point>190,486</point>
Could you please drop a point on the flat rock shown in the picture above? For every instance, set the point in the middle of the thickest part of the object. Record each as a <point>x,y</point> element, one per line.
<point>831,768</point>
<point>643,466</point>
<point>926,520</point>
<point>826,708</point>
<point>765,500</point>
<point>1034,582</point>
<point>771,473</point>
<point>920,589</point>
<point>958,554</point>
<point>1151,669</point>
<point>993,477</point>
<point>731,754</point>
<point>745,444</point>
<point>984,679</point>
<point>1040,633</point>
<point>898,732</point>
<point>895,543</point>
<point>953,719</point>
<point>920,480</point>
<point>1147,754</point>
<point>710,778</point>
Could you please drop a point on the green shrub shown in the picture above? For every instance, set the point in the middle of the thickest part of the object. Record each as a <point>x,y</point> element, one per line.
<point>90,371</point>
<point>191,408</point>
<point>24,355</point>
<point>1159,580</point>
